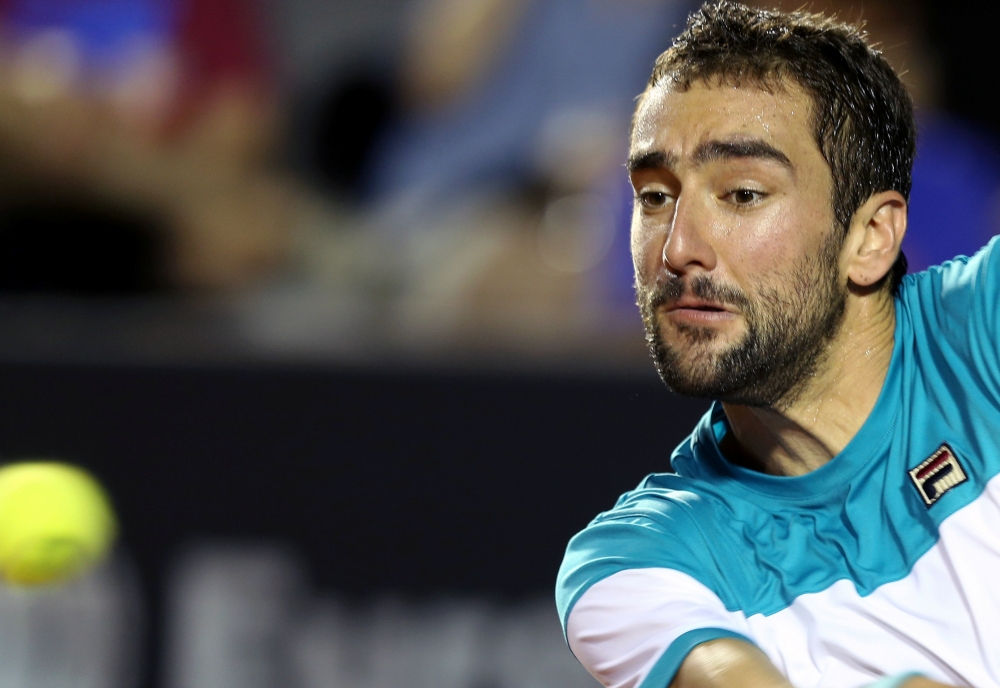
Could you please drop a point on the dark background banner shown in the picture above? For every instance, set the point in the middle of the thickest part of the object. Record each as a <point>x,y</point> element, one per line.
<point>425,483</point>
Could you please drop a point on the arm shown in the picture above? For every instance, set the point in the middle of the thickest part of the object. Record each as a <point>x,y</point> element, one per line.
<point>728,663</point>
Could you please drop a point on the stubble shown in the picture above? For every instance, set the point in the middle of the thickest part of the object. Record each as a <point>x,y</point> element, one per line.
<point>788,327</point>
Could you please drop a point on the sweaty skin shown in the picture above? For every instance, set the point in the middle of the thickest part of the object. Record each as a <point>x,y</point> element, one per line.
<point>731,185</point>
<point>730,663</point>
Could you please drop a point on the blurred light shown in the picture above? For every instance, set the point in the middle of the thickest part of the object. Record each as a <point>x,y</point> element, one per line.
<point>47,66</point>
<point>117,48</point>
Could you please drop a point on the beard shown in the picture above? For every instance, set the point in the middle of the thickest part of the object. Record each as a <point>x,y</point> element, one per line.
<point>787,330</point>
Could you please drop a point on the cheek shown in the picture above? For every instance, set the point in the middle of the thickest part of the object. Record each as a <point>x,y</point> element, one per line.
<point>647,248</point>
<point>770,242</point>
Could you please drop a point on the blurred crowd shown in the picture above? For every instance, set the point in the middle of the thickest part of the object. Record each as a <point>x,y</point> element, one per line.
<point>447,169</point>
<point>138,141</point>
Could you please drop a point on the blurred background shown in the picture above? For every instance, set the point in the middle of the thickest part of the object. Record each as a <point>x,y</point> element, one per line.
<point>335,298</point>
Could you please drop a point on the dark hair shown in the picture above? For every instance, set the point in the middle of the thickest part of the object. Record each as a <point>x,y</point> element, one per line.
<point>862,115</point>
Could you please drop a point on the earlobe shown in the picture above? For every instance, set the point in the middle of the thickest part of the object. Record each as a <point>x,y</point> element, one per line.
<point>875,237</point>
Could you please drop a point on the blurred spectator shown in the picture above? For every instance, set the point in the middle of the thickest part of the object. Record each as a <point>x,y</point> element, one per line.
<point>506,94</point>
<point>495,185</point>
<point>135,137</point>
<point>335,62</point>
<point>955,202</point>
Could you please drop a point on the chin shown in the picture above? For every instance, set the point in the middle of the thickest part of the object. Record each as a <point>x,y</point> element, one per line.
<point>691,370</point>
<point>694,341</point>
<point>693,362</point>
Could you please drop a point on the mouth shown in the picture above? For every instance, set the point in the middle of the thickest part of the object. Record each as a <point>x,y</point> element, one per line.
<point>699,311</point>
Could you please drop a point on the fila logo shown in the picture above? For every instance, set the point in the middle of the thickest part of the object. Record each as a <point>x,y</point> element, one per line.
<point>937,475</point>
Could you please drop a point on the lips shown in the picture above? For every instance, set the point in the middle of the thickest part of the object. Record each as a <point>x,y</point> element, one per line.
<point>699,312</point>
<point>698,305</point>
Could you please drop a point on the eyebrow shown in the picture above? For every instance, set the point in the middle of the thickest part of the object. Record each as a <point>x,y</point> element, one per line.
<point>742,148</point>
<point>710,151</point>
<point>651,160</point>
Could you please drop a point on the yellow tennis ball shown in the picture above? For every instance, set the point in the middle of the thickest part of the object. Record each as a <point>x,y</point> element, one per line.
<point>55,521</point>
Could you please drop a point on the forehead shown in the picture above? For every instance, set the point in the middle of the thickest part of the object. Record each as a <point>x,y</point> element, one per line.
<point>677,121</point>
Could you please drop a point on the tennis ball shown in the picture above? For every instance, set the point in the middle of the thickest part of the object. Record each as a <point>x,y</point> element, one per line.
<point>55,521</point>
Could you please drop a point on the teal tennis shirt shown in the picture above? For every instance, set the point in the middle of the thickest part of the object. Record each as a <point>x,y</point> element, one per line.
<point>885,560</point>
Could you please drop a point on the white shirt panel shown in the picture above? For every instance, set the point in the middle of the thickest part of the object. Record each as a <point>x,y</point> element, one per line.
<point>943,619</point>
<point>623,624</point>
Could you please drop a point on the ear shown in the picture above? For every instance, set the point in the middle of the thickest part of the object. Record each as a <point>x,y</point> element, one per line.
<point>875,237</point>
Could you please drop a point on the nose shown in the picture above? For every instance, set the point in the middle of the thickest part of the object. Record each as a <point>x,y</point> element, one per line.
<point>687,249</point>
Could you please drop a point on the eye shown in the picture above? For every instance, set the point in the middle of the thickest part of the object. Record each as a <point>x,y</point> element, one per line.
<point>653,199</point>
<point>746,197</point>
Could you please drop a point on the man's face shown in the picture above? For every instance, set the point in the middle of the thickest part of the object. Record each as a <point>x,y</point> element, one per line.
<point>735,245</point>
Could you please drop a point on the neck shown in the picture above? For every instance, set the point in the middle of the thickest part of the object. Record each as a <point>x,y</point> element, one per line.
<point>830,408</point>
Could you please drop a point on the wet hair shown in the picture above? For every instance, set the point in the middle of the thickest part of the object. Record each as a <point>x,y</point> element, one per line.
<point>862,115</point>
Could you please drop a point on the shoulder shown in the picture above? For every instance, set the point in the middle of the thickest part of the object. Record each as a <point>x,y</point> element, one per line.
<point>950,312</point>
<point>659,525</point>
<point>955,282</point>
<point>643,583</point>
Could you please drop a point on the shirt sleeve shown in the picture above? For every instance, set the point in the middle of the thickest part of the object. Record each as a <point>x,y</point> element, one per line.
<point>635,628</point>
<point>638,590</point>
<point>956,307</point>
